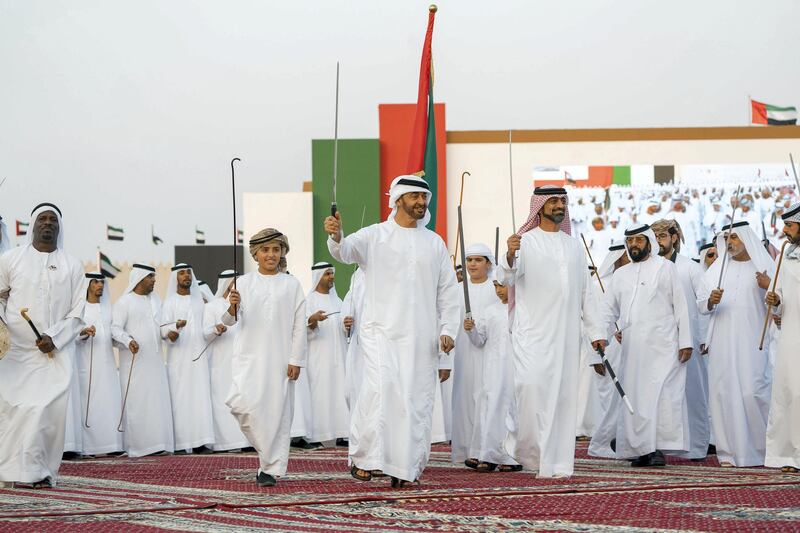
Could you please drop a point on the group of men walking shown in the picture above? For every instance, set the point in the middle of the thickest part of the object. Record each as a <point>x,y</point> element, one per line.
<point>259,362</point>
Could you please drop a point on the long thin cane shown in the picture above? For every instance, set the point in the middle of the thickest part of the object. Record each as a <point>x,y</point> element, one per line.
<point>613,377</point>
<point>511,181</point>
<point>235,230</point>
<point>89,392</point>
<point>596,273</point>
<point>460,200</point>
<point>769,307</point>
<point>334,206</point>
<point>125,399</point>
<point>206,348</point>
<point>24,313</point>
<point>730,230</point>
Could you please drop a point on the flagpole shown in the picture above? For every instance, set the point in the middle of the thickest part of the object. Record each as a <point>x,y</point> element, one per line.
<point>99,264</point>
<point>750,110</point>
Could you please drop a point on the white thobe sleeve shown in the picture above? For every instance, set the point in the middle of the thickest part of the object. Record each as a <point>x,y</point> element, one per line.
<point>119,319</point>
<point>447,297</point>
<point>64,331</point>
<point>507,275</point>
<point>680,309</point>
<point>168,318</point>
<point>4,287</point>
<point>703,292</point>
<point>297,357</point>
<point>593,320</point>
<point>477,335</point>
<point>347,308</point>
<point>351,249</point>
<point>778,309</point>
<point>696,276</point>
<point>209,322</point>
<point>609,306</point>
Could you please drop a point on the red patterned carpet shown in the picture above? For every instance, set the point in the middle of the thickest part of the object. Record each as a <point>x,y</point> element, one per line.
<point>218,493</point>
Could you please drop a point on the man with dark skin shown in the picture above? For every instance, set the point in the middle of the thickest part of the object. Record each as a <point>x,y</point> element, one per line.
<point>35,374</point>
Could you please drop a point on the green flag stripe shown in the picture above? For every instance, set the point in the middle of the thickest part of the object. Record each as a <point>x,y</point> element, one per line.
<point>431,162</point>
<point>776,108</point>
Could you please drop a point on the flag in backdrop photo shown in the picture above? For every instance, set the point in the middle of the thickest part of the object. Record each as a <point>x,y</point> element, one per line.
<point>114,234</point>
<point>199,236</point>
<point>105,266</point>
<point>772,115</point>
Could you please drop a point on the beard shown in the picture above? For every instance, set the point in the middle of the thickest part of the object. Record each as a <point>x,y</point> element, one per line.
<point>411,211</point>
<point>556,218</point>
<point>638,255</point>
<point>664,252</point>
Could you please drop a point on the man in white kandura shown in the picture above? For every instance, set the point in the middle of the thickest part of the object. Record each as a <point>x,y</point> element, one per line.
<point>219,341</point>
<point>669,235</point>
<point>739,373</point>
<point>547,269</point>
<point>100,395</point>
<point>648,303</point>
<point>410,293</point>
<point>326,358</point>
<point>783,431</point>
<point>146,407</point>
<point>268,352</point>
<point>35,374</point>
<point>189,380</point>
<point>469,358</point>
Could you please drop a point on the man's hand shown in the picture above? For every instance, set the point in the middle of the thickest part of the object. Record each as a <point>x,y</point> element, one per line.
<point>133,347</point>
<point>180,323</point>
<point>773,299</point>
<point>234,298</point>
<point>684,354</point>
<point>293,372</point>
<point>45,345</point>
<point>348,323</point>
<point>600,369</point>
<point>763,280</point>
<point>777,319</point>
<point>446,343</point>
<point>221,328</point>
<point>319,316</point>
<point>333,226</point>
<point>173,335</point>
<point>714,298</point>
<point>513,244</point>
<point>598,344</point>
<point>88,332</point>
<point>469,324</point>
<point>444,374</point>
<point>703,349</point>
<point>618,336</point>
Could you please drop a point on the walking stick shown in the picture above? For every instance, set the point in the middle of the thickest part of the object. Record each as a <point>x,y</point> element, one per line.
<point>125,399</point>
<point>235,231</point>
<point>730,230</point>
<point>334,207</point>
<point>24,313</point>
<point>460,200</point>
<point>769,307</point>
<point>89,392</point>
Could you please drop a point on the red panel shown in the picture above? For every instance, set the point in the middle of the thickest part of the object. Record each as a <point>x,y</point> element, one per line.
<point>396,122</point>
<point>601,176</point>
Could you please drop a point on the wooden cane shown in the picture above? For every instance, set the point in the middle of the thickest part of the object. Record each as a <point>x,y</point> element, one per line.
<point>24,313</point>
<point>769,307</point>
<point>460,200</point>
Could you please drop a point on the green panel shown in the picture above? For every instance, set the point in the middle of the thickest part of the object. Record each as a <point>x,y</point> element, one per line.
<point>358,188</point>
<point>622,176</point>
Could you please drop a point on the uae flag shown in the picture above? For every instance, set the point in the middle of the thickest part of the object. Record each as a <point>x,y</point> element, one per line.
<point>114,234</point>
<point>772,115</point>
<point>422,154</point>
<point>199,236</point>
<point>105,265</point>
<point>22,228</point>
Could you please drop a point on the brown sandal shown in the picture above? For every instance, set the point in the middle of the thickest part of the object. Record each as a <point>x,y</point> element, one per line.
<point>510,468</point>
<point>359,474</point>
<point>790,470</point>
<point>484,466</point>
<point>377,473</point>
<point>471,463</point>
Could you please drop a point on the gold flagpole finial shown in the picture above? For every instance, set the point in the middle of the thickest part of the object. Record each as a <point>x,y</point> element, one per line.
<point>432,8</point>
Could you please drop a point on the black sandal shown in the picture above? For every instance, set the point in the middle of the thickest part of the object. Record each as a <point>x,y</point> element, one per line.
<point>485,466</point>
<point>398,483</point>
<point>510,468</point>
<point>471,463</point>
<point>377,473</point>
<point>360,474</point>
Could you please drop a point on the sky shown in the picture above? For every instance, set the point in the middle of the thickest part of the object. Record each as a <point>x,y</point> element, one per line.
<point>128,113</point>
